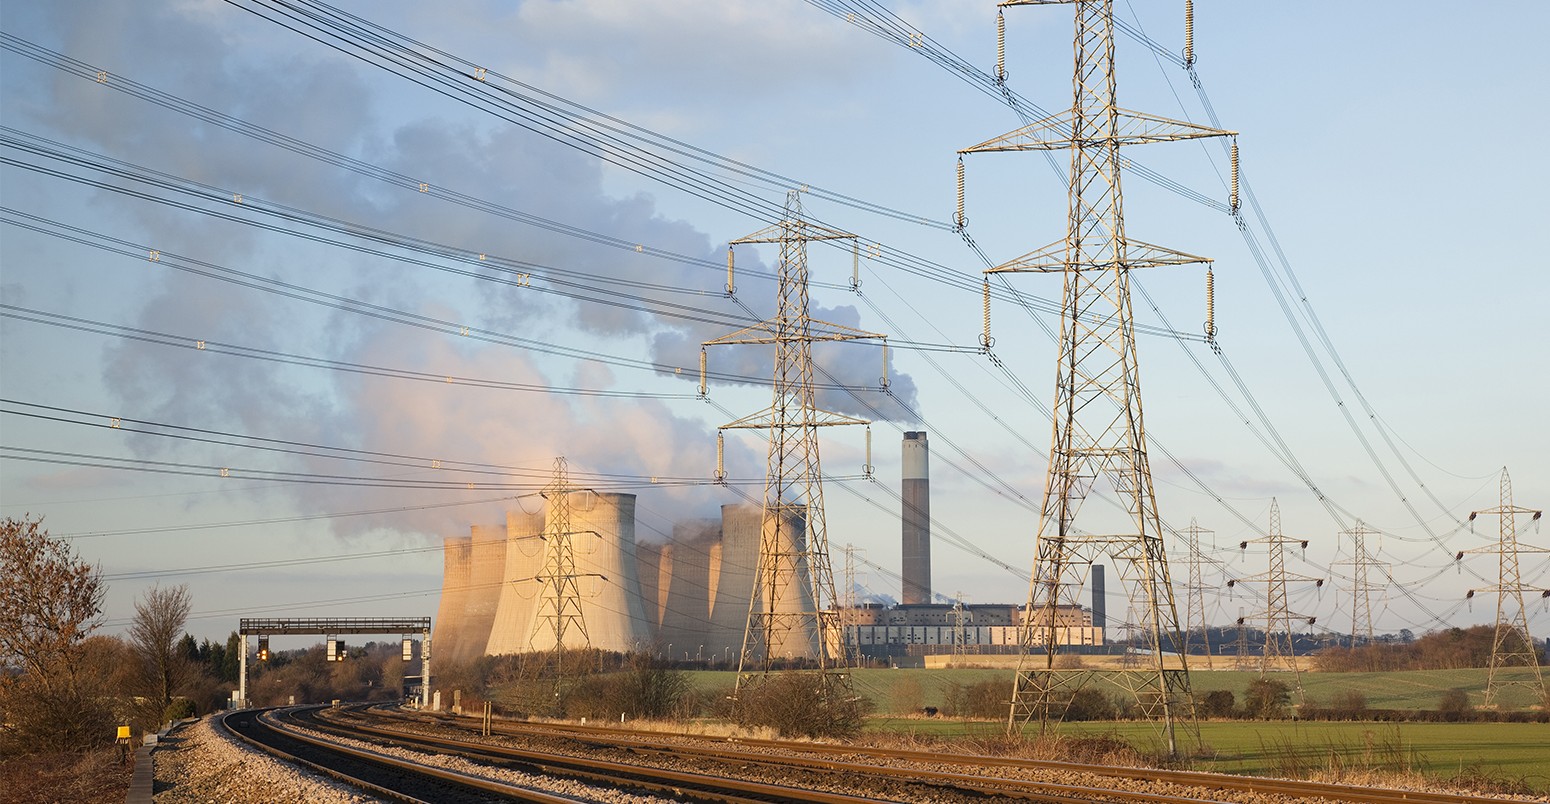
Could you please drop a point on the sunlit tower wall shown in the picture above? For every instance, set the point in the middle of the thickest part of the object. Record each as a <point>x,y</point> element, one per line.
<point>1098,424</point>
<point>447,638</point>
<point>731,586</point>
<point>916,518</point>
<point>654,568</point>
<point>686,603</point>
<point>731,572</point>
<point>603,538</point>
<point>486,568</point>
<point>516,604</point>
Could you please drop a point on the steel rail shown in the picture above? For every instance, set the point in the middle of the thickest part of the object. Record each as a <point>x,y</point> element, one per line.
<point>677,785</point>
<point>1251,784</point>
<point>255,725</point>
<point>970,784</point>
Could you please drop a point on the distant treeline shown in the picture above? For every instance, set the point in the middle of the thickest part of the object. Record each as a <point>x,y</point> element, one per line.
<point>1451,649</point>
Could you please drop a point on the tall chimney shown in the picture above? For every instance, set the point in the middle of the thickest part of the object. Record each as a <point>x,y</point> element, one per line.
<point>1100,604</point>
<point>917,520</point>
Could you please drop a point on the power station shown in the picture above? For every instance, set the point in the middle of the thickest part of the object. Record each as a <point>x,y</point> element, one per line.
<point>688,598</point>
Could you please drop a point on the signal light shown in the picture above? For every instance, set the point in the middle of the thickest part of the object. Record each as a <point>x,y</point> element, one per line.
<point>408,649</point>
<point>335,649</point>
<point>263,649</point>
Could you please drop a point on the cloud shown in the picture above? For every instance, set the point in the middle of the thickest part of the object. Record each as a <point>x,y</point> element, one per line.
<point>342,106</point>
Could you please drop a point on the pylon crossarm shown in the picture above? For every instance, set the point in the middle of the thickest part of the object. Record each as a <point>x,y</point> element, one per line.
<point>770,332</point>
<point>762,332</point>
<point>792,229</point>
<point>1055,258</point>
<point>1053,133</point>
<point>769,418</point>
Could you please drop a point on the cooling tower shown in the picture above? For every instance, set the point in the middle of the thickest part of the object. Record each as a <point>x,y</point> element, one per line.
<point>486,566</point>
<point>687,599</point>
<point>602,537</point>
<point>741,529</point>
<point>730,582</point>
<point>654,568</point>
<point>448,636</point>
<point>916,516</point>
<point>517,601</point>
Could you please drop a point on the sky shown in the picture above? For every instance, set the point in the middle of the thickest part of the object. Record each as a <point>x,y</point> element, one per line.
<point>1400,368</point>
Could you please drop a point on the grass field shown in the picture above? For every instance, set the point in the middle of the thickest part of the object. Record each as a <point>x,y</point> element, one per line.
<point>1518,752</point>
<point>903,691</point>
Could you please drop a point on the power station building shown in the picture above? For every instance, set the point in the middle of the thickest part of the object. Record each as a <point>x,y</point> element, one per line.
<point>688,599</point>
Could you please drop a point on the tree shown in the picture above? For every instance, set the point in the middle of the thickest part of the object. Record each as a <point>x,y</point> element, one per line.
<point>1453,704</point>
<point>49,600</point>
<point>1266,698</point>
<point>49,603</point>
<point>231,660</point>
<point>1218,703</point>
<point>159,619</point>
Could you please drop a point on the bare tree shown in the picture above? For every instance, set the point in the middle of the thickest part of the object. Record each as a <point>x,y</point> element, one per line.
<point>160,617</point>
<point>49,602</point>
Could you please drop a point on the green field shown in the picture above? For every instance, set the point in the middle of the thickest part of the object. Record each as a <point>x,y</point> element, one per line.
<point>1504,751</point>
<point>906,690</point>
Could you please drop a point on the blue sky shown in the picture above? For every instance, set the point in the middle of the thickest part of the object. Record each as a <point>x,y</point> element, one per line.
<point>1385,144</point>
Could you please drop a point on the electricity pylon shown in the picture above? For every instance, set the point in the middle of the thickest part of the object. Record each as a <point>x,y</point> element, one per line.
<point>793,609</point>
<point>560,599</point>
<point>1098,429</point>
<point>1361,587</point>
<point>1279,652</point>
<point>1513,644</point>
<point>1194,595</point>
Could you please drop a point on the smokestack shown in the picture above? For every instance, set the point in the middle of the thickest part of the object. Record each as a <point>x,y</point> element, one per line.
<point>1100,608</point>
<point>917,520</point>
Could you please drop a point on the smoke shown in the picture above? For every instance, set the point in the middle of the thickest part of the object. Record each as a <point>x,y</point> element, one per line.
<point>227,60</point>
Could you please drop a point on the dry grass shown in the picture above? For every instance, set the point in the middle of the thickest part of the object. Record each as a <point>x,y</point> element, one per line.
<point>95,776</point>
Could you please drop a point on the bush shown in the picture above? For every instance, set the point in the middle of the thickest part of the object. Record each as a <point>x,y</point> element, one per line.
<point>1453,704</point>
<point>1266,699</point>
<point>1090,704</point>
<point>646,689</point>
<point>798,704</point>
<point>177,710</point>
<point>1218,703</point>
<point>984,699</point>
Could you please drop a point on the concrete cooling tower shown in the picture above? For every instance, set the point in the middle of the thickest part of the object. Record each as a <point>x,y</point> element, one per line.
<point>603,540</point>
<point>447,637</point>
<point>654,568</point>
<point>686,592</point>
<point>512,629</point>
<point>486,567</point>
<point>733,581</point>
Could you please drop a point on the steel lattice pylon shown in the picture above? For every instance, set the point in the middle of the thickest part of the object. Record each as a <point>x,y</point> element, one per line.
<point>1279,652</point>
<point>1513,645</point>
<point>1098,426</point>
<point>560,598</point>
<point>1195,600</point>
<point>1361,584</point>
<point>793,610</point>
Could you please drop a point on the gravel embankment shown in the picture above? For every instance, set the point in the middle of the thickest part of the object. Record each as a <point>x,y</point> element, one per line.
<point>196,764</point>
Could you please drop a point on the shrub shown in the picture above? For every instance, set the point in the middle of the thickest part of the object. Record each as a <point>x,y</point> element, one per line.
<point>1090,704</point>
<point>1218,703</point>
<point>798,704</point>
<point>1266,698</point>
<point>984,699</point>
<point>646,689</point>
<point>177,710</point>
<point>1453,704</point>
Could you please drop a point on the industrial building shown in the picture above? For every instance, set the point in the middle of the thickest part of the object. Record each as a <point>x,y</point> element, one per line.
<point>689,598</point>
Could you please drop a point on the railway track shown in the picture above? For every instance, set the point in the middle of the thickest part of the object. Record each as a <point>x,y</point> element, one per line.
<point>971,774</point>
